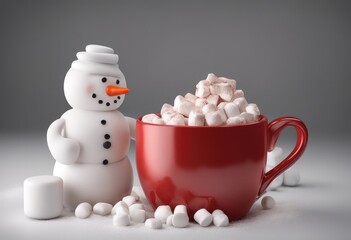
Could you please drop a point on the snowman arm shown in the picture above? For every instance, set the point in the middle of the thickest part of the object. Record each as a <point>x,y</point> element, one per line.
<point>64,150</point>
<point>132,127</point>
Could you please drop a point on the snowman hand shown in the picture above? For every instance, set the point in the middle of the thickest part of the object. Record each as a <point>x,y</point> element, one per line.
<point>64,150</point>
<point>132,127</point>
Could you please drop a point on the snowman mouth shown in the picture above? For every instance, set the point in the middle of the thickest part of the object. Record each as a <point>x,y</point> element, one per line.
<point>99,101</point>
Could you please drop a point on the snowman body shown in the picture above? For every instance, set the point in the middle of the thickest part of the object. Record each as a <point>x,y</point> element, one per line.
<point>102,172</point>
<point>90,142</point>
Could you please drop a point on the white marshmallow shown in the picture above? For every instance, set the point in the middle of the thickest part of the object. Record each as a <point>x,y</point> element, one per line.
<point>148,118</point>
<point>200,102</point>
<point>166,107</point>
<point>153,223</point>
<point>249,117</point>
<point>190,97</point>
<point>223,115</point>
<point>185,108</point>
<point>177,101</point>
<point>176,120</point>
<point>83,210</point>
<point>129,200</point>
<point>209,108</point>
<point>180,217</point>
<point>231,110</point>
<point>222,105</point>
<point>203,217</point>
<point>158,120</point>
<point>202,91</point>
<point>203,83</point>
<point>241,102</point>
<point>268,202</point>
<point>167,116</point>
<point>137,215</point>
<point>214,119</point>
<point>238,93</point>
<point>162,213</point>
<point>102,209</point>
<point>217,211</point>
<point>231,82</point>
<point>169,220</point>
<point>213,99</point>
<point>291,177</point>
<point>136,206</point>
<point>121,219</point>
<point>118,206</point>
<point>196,119</point>
<point>253,109</point>
<point>211,78</point>
<point>43,197</point>
<point>236,120</point>
<point>224,90</point>
<point>220,220</point>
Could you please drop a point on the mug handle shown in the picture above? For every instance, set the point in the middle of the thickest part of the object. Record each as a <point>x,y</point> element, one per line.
<point>275,128</point>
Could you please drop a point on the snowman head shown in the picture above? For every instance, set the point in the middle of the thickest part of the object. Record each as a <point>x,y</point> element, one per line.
<point>94,82</point>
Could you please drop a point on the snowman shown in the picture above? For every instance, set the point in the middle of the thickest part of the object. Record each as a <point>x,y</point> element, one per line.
<point>90,142</point>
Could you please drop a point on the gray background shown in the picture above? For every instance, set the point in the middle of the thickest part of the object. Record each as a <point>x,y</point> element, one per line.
<point>290,57</point>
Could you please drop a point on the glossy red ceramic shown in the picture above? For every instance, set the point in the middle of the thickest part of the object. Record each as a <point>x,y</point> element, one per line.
<point>211,167</point>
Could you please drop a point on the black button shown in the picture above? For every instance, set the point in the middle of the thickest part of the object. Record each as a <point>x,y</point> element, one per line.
<point>119,97</point>
<point>107,144</point>
<point>100,101</point>
<point>103,122</point>
<point>107,136</point>
<point>104,79</point>
<point>107,104</point>
<point>105,162</point>
<point>117,81</point>
<point>115,101</point>
<point>94,95</point>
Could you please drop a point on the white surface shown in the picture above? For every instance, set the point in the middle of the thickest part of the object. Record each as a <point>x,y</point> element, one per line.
<point>319,208</point>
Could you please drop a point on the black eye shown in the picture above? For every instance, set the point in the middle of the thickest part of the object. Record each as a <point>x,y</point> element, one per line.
<point>104,79</point>
<point>117,81</point>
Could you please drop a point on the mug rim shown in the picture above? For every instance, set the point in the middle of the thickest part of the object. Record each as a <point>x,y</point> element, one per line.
<point>262,118</point>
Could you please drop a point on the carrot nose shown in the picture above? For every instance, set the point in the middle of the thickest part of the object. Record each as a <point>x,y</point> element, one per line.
<point>114,90</point>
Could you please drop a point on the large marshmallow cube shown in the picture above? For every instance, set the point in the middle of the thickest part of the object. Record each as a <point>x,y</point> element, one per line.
<point>203,217</point>
<point>162,213</point>
<point>231,110</point>
<point>43,197</point>
<point>196,119</point>
<point>180,217</point>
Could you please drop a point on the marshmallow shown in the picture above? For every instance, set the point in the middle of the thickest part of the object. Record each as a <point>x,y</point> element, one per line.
<point>268,202</point>
<point>83,210</point>
<point>153,223</point>
<point>223,115</point>
<point>190,97</point>
<point>224,90</point>
<point>121,219</point>
<point>196,119</point>
<point>231,82</point>
<point>118,207</point>
<point>213,99</point>
<point>162,213</point>
<point>102,209</point>
<point>241,102</point>
<point>214,119</point>
<point>200,102</point>
<point>176,120</point>
<point>202,83</point>
<point>137,215</point>
<point>219,218</point>
<point>148,118</point>
<point>203,217</point>
<point>238,93</point>
<point>167,116</point>
<point>180,217</point>
<point>169,220</point>
<point>136,206</point>
<point>222,105</point>
<point>291,177</point>
<point>129,200</point>
<point>209,108</point>
<point>211,78</point>
<point>249,118</point>
<point>236,120</point>
<point>43,197</point>
<point>253,109</point>
<point>202,91</point>
<point>231,110</point>
<point>158,120</point>
<point>166,107</point>
<point>185,108</point>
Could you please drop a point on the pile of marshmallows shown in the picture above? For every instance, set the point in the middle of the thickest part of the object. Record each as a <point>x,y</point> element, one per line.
<point>216,102</point>
<point>135,209</point>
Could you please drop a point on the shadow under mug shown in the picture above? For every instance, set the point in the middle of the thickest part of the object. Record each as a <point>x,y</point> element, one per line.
<point>219,167</point>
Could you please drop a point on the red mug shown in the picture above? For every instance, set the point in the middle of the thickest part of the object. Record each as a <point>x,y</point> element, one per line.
<point>219,167</point>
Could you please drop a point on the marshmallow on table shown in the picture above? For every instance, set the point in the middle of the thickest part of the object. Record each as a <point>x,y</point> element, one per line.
<point>219,218</point>
<point>120,206</point>
<point>203,217</point>
<point>196,119</point>
<point>162,213</point>
<point>190,97</point>
<point>136,206</point>
<point>268,202</point>
<point>169,220</point>
<point>121,219</point>
<point>291,177</point>
<point>102,209</point>
<point>83,210</point>
<point>137,215</point>
<point>43,197</point>
<point>129,200</point>
<point>241,102</point>
<point>180,217</point>
<point>153,223</point>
